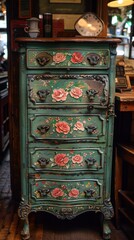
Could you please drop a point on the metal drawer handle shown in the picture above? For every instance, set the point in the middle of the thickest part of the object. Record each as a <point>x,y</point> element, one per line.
<point>43,162</point>
<point>90,161</point>
<point>91,94</point>
<point>90,129</point>
<point>89,193</point>
<point>42,60</point>
<point>43,192</point>
<point>90,107</point>
<point>43,94</point>
<point>43,128</point>
<point>93,59</point>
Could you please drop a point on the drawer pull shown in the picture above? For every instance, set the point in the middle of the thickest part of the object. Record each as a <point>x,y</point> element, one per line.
<point>43,162</point>
<point>42,60</point>
<point>90,161</point>
<point>93,59</point>
<point>43,128</point>
<point>43,94</point>
<point>91,94</point>
<point>43,192</point>
<point>90,107</point>
<point>89,193</point>
<point>90,129</point>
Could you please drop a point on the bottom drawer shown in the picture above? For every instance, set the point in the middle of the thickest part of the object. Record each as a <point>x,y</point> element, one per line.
<point>65,191</point>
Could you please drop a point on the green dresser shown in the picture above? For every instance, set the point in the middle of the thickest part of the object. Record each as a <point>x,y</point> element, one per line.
<point>66,126</point>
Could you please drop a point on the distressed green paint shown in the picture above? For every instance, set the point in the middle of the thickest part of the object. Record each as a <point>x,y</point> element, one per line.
<point>51,84</point>
<point>68,190</point>
<point>34,54</point>
<point>66,127</point>
<point>67,160</point>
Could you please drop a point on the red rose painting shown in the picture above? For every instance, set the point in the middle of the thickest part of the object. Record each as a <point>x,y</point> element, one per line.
<point>59,94</point>
<point>61,159</point>
<point>74,193</point>
<point>62,127</point>
<point>77,57</point>
<point>76,92</point>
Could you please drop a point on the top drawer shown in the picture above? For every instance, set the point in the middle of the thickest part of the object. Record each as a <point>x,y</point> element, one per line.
<point>68,58</point>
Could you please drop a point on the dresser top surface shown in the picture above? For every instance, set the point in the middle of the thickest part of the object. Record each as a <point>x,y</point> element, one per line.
<point>69,39</point>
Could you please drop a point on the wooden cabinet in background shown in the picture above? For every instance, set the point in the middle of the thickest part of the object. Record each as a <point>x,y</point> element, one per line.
<point>124,163</point>
<point>4,117</point>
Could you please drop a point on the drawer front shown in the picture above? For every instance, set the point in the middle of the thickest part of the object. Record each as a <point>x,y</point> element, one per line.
<point>64,191</point>
<point>67,127</point>
<point>68,58</point>
<point>66,160</point>
<point>58,90</point>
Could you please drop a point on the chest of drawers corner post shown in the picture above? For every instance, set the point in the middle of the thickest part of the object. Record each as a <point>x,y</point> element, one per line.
<point>66,127</point>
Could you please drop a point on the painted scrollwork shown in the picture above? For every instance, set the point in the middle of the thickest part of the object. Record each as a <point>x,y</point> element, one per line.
<point>107,209</point>
<point>24,209</point>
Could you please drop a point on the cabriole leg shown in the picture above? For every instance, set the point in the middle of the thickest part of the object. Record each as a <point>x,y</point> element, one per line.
<point>108,213</point>
<point>25,234</point>
<point>106,230</point>
<point>23,212</point>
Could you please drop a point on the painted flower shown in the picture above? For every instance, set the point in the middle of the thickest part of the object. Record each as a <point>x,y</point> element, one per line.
<point>76,92</point>
<point>62,127</point>
<point>79,126</point>
<point>61,159</point>
<point>74,193</point>
<point>57,192</point>
<point>59,94</point>
<point>77,57</point>
<point>59,57</point>
<point>77,158</point>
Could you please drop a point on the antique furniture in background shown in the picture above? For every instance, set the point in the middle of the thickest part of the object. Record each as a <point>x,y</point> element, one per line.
<point>124,162</point>
<point>67,90</point>
<point>4,116</point>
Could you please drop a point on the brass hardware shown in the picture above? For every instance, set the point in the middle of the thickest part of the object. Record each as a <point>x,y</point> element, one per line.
<point>90,129</point>
<point>91,94</point>
<point>90,161</point>
<point>43,128</point>
<point>89,193</point>
<point>43,94</point>
<point>93,59</point>
<point>43,162</point>
<point>42,60</point>
<point>43,192</point>
<point>90,107</point>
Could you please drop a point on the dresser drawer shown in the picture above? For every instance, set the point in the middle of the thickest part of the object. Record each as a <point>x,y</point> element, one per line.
<point>67,89</point>
<point>62,126</point>
<point>68,58</point>
<point>65,191</point>
<point>67,159</point>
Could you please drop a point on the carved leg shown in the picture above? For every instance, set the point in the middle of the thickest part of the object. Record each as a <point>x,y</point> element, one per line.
<point>23,211</point>
<point>108,213</point>
<point>25,234</point>
<point>106,230</point>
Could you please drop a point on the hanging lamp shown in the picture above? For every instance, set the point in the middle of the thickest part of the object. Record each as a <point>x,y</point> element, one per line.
<point>120,3</point>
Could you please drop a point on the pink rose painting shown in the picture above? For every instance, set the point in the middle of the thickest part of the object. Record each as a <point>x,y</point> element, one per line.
<point>61,159</point>
<point>57,192</point>
<point>59,57</point>
<point>62,127</point>
<point>59,95</point>
<point>79,126</point>
<point>74,193</point>
<point>77,57</point>
<point>77,158</point>
<point>76,92</point>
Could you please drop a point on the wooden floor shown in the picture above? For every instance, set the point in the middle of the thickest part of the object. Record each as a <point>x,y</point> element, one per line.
<point>44,226</point>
